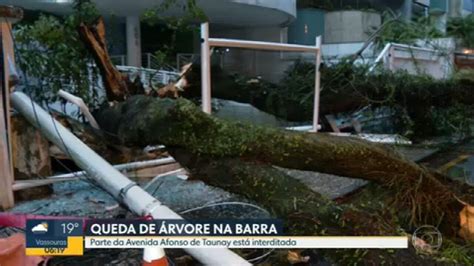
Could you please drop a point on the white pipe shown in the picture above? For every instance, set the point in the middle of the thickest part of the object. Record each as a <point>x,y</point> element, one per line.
<point>24,184</point>
<point>380,56</point>
<point>317,84</point>
<point>205,69</point>
<point>110,179</point>
<point>276,46</point>
<point>82,106</point>
<point>145,164</point>
<point>413,47</point>
<point>156,178</point>
<point>123,167</point>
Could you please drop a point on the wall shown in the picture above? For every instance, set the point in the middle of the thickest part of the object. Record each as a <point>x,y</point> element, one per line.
<point>349,26</point>
<point>455,8</point>
<point>426,63</point>
<point>438,65</point>
<point>308,25</point>
<point>115,35</point>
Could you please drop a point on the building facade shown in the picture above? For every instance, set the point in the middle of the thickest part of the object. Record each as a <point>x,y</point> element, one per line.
<point>123,18</point>
<point>344,25</point>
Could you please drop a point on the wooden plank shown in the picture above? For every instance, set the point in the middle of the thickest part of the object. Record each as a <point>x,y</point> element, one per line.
<point>147,173</point>
<point>332,123</point>
<point>30,157</point>
<point>6,165</point>
<point>445,168</point>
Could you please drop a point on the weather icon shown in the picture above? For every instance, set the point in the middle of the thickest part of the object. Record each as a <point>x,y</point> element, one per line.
<point>40,228</point>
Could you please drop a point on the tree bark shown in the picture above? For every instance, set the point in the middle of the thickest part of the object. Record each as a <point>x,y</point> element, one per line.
<point>304,212</point>
<point>31,158</point>
<point>94,39</point>
<point>105,144</point>
<point>178,123</point>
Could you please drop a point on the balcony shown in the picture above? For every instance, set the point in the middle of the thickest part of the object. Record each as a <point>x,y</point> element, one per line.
<point>227,12</point>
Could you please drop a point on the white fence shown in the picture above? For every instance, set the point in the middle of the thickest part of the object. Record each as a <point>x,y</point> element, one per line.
<point>207,43</point>
<point>149,61</point>
<point>150,76</point>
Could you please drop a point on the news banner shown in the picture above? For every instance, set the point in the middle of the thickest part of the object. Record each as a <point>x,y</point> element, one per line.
<point>71,237</point>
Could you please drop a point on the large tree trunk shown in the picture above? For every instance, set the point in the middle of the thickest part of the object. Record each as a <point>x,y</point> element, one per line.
<point>94,39</point>
<point>105,144</point>
<point>304,212</point>
<point>178,123</point>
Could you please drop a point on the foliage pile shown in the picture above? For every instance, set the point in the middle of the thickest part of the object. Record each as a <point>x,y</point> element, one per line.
<point>421,109</point>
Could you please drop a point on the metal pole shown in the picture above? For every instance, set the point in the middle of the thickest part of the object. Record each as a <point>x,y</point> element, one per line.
<point>110,179</point>
<point>24,184</point>
<point>205,69</point>
<point>391,57</point>
<point>317,84</point>
<point>275,46</point>
<point>82,106</point>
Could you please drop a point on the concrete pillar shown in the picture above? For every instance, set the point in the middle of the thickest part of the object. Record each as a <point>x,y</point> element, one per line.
<point>407,10</point>
<point>455,8</point>
<point>440,21</point>
<point>134,49</point>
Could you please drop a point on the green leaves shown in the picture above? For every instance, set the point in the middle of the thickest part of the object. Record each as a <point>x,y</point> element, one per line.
<point>462,28</point>
<point>400,31</point>
<point>176,17</point>
<point>192,13</point>
<point>52,56</point>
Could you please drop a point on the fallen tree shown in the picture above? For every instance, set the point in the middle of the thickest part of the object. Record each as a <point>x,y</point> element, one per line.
<point>240,158</point>
<point>143,120</point>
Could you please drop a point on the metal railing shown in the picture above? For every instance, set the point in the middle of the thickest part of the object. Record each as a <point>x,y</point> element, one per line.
<point>149,61</point>
<point>207,43</point>
<point>150,77</point>
<point>119,60</point>
<point>153,71</point>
